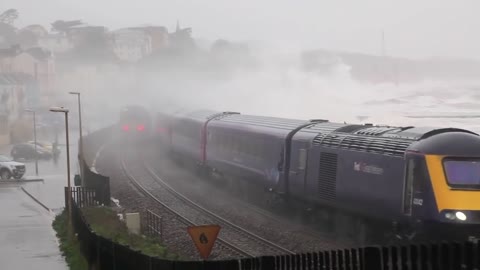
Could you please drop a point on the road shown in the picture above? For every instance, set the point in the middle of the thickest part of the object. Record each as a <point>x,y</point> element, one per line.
<point>26,234</point>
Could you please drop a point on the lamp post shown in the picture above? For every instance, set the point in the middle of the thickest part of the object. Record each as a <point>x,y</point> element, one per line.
<point>79,121</point>
<point>65,111</point>
<point>34,139</point>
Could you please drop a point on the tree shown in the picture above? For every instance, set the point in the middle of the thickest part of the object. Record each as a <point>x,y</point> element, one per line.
<point>221,45</point>
<point>9,16</point>
<point>7,34</point>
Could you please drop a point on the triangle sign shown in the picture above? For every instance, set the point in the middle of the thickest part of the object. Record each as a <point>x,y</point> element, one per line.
<point>204,237</point>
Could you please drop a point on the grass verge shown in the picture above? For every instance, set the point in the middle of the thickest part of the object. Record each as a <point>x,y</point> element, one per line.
<point>105,222</point>
<point>69,244</point>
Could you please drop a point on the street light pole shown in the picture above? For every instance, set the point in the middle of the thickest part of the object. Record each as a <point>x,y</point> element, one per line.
<point>34,140</point>
<point>68,149</point>
<point>79,121</point>
<point>65,110</point>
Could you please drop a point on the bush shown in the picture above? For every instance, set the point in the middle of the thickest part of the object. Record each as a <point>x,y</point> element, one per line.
<point>104,221</point>
<point>69,244</point>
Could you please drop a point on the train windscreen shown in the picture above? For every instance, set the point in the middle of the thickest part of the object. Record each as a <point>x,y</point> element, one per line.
<point>462,173</point>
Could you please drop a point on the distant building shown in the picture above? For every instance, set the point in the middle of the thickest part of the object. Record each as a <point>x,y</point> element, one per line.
<point>56,43</point>
<point>158,34</point>
<point>81,34</point>
<point>131,45</point>
<point>36,62</point>
<point>15,88</point>
<point>37,29</point>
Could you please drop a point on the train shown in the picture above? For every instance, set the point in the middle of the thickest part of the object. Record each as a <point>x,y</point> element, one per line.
<point>413,180</point>
<point>135,123</point>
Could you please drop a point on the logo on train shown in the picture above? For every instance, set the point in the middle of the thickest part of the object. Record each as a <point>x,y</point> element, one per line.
<point>366,168</point>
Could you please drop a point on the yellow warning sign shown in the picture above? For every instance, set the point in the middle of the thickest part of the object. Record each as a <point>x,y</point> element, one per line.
<point>204,237</point>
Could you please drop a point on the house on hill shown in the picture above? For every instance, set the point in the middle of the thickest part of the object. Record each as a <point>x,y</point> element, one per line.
<point>35,62</point>
<point>131,45</point>
<point>17,92</point>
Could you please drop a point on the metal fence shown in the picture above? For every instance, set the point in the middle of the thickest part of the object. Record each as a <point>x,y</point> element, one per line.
<point>82,196</point>
<point>152,225</point>
<point>90,179</point>
<point>104,254</point>
<point>97,182</point>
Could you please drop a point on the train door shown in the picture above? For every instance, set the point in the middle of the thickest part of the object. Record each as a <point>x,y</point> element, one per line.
<point>408,187</point>
<point>298,167</point>
<point>416,178</point>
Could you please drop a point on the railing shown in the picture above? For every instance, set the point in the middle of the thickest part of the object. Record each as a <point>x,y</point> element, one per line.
<point>90,179</point>
<point>105,254</point>
<point>152,225</point>
<point>82,196</point>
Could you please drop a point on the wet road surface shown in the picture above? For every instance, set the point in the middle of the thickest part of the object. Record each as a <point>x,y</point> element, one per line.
<point>26,234</point>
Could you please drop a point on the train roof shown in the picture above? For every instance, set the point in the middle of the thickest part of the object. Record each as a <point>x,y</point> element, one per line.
<point>262,121</point>
<point>197,115</point>
<point>387,140</point>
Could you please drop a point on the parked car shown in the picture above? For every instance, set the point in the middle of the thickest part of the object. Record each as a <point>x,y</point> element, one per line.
<point>10,168</point>
<point>46,145</point>
<point>27,151</point>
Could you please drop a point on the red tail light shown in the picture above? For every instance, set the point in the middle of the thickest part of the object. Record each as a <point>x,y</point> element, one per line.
<point>125,127</point>
<point>161,130</point>
<point>140,127</point>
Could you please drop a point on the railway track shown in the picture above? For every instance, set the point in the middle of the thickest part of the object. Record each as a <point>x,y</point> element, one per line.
<point>219,220</point>
<point>254,208</point>
<point>141,188</point>
<point>240,241</point>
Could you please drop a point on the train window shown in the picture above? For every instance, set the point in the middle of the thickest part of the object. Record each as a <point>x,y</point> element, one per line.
<point>408,189</point>
<point>462,172</point>
<point>302,159</point>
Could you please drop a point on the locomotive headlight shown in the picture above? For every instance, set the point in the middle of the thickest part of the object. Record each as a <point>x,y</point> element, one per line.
<point>461,216</point>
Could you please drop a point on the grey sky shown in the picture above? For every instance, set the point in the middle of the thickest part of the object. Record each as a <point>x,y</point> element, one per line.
<point>412,28</point>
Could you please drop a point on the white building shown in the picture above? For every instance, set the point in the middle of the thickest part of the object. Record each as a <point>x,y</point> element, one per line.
<point>131,45</point>
<point>14,88</point>
<point>56,43</point>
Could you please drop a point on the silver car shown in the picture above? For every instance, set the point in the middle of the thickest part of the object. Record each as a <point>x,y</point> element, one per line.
<point>10,168</point>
